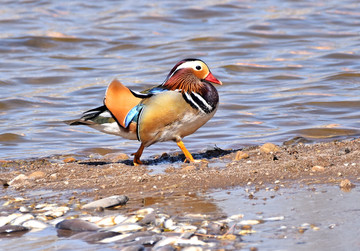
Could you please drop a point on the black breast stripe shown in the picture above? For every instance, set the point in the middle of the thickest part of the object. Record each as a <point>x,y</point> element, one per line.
<point>196,101</point>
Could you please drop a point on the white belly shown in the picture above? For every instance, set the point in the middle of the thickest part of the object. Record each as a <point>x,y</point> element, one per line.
<point>115,129</point>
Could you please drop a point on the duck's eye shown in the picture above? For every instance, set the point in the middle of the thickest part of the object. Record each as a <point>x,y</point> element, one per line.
<point>198,67</point>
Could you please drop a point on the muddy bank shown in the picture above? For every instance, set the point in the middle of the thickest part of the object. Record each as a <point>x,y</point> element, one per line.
<point>259,197</point>
<point>167,176</point>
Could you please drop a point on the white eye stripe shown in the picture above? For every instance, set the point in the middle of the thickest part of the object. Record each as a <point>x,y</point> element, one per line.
<point>190,64</point>
<point>197,65</point>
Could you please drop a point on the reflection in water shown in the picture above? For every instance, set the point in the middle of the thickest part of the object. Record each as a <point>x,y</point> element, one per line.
<point>180,205</point>
<point>319,133</point>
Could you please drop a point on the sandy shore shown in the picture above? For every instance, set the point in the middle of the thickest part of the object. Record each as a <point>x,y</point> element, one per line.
<point>167,176</point>
<point>177,195</point>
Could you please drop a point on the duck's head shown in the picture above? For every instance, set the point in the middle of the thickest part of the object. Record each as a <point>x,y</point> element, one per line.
<point>189,74</point>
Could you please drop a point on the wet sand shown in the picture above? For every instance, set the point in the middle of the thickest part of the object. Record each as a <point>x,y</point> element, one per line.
<point>166,176</point>
<point>277,188</point>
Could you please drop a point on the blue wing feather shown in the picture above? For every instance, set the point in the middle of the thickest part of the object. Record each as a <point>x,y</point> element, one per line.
<point>133,115</point>
<point>156,90</point>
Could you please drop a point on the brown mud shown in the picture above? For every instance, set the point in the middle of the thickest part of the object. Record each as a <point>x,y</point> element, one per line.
<point>336,162</point>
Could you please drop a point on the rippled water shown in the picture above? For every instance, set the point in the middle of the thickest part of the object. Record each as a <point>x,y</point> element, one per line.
<point>289,68</point>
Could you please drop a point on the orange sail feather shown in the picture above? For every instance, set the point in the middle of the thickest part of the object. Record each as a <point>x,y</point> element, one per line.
<point>120,100</point>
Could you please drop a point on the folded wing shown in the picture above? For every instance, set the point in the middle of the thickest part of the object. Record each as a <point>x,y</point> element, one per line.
<point>121,102</point>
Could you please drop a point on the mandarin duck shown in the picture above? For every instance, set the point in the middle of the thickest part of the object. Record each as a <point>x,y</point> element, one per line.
<point>183,103</point>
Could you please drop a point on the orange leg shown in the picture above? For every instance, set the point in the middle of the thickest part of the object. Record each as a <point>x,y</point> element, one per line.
<point>138,154</point>
<point>188,155</point>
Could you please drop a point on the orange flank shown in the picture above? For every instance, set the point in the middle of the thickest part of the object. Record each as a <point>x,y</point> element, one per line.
<point>119,100</point>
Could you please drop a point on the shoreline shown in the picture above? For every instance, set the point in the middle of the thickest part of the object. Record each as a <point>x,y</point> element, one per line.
<point>232,199</point>
<point>166,175</point>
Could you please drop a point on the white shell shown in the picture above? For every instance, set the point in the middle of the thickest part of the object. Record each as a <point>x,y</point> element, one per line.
<point>6,219</point>
<point>115,238</point>
<point>249,222</point>
<point>35,224</point>
<point>106,221</point>
<point>126,228</point>
<point>19,220</point>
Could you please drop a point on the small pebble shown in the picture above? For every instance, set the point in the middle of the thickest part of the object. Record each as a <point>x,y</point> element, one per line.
<point>241,155</point>
<point>269,148</point>
<point>318,169</point>
<point>106,221</point>
<point>145,211</point>
<point>148,219</point>
<point>77,225</point>
<point>69,160</point>
<point>98,236</point>
<point>24,209</point>
<point>230,237</point>
<point>236,217</point>
<point>7,219</point>
<point>4,183</point>
<point>12,228</point>
<point>37,175</point>
<point>250,222</point>
<point>301,230</point>
<point>275,218</point>
<point>35,224</point>
<point>119,156</point>
<point>346,184</point>
<point>19,180</point>
<point>19,220</point>
<point>169,223</point>
<point>215,228</point>
<point>119,219</point>
<point>111,201</point>
<point>126,228</point>
<point>115,238</point>
<point>246,227</point>
<point>189,168</point>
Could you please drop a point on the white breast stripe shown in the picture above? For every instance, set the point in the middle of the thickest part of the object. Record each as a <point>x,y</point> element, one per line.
<point>202,100</point>
<point>190,99</point>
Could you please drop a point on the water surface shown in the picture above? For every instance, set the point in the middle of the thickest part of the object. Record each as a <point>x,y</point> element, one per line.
<point>328,216</point>
<point>289,69</point>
